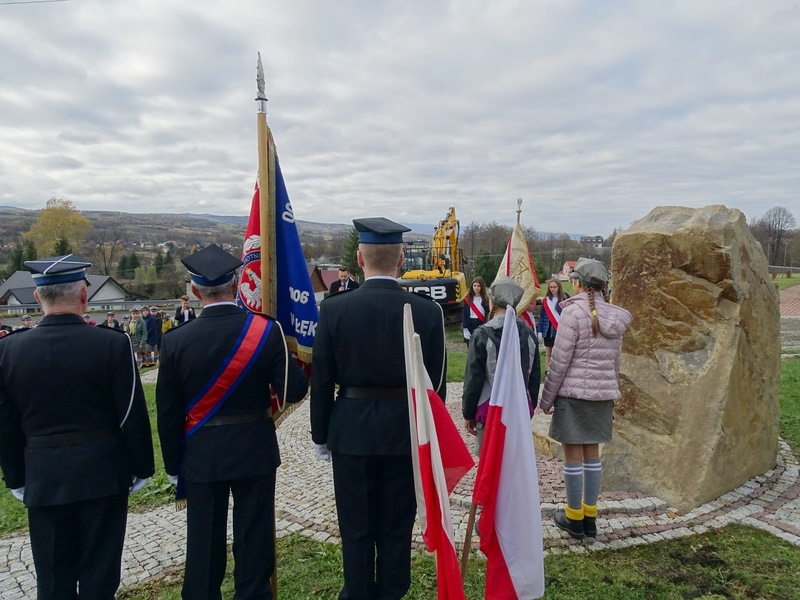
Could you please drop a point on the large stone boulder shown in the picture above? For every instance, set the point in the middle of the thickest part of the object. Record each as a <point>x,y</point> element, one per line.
<point>701,361</point>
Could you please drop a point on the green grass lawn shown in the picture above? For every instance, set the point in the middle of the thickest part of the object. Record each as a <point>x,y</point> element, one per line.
<point>784,282</point>
<point>789,393</point>
<point>735,562</point>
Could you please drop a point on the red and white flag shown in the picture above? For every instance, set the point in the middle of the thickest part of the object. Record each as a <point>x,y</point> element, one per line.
<point>440,461</point>
<point>507,484</point>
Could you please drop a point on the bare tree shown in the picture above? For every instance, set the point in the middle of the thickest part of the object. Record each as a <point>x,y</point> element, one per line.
<point>772,229</point>
<point>104,245</point>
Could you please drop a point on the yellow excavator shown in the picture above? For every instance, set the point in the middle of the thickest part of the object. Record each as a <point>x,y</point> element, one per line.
<point>434,268</point>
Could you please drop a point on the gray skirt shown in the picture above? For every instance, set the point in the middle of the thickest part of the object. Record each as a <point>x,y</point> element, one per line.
<point>578,421</point>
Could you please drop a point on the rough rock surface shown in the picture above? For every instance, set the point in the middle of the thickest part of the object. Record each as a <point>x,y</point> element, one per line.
<point>701,361</point>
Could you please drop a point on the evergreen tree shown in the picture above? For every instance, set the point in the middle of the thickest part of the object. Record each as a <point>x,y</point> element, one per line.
<point>348,258</point>
<point>122,267</point>
<point>29,252</point>
<point>159,262</point>
<point>126,268</point>
<point>133,263</point>
<point>486,266</point>
<point>16,259</point>
<point>62,247</point>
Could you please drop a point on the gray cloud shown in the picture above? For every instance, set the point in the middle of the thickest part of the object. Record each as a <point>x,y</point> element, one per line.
<point>592,112</point>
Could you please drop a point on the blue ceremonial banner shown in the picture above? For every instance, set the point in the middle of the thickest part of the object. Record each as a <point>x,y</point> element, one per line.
<point>295,305</point>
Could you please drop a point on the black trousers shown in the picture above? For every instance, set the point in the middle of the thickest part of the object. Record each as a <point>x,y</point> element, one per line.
<point>78,544</point>
<point>207,534</point>
<point>376,505</point>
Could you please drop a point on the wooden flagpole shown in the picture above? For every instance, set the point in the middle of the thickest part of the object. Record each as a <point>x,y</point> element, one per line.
<point>473,510</point>
<point>266,186</point>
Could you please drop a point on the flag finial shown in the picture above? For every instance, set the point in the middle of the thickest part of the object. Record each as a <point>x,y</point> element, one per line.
<point>519,209</point>
<point>261,97</point>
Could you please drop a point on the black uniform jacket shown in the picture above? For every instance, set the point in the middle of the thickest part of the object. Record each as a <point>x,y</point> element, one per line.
<point>190,357</point>
<point>67,378</point>
<point>359,342</point>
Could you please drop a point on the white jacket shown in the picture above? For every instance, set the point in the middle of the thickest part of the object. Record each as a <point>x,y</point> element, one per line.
<point>583,366</point>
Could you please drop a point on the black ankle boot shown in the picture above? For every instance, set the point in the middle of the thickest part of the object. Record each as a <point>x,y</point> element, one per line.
<point>590,526</point>
<point>572,527</point>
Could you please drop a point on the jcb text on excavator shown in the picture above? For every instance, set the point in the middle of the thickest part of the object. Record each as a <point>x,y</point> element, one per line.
<point>434,268</point>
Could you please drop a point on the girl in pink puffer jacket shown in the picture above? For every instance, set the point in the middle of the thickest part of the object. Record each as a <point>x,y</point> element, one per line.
<point>580,389</point>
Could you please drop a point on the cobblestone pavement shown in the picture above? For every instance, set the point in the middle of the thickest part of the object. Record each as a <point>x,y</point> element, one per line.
<point>305,504</point>
<point>155,540</point>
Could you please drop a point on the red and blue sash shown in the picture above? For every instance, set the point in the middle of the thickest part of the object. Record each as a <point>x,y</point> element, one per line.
<point>229,375</point>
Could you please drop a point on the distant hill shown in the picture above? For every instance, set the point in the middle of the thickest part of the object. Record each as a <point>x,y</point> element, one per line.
<point>184,229</point>
<point>154,228</point>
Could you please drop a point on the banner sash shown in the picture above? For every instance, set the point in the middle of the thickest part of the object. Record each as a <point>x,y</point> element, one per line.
<point>551,314</point>
<point>475,310</point>
<point>229,375</point>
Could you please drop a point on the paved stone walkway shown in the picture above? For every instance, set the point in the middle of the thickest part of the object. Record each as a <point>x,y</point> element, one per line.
<point>305,504</point>
<point>790,302</point>
<point>155,540</point>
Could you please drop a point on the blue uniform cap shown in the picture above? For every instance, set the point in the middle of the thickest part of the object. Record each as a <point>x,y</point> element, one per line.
<point>58,269</point>
<point>211,266</point>
<point>379,230</point>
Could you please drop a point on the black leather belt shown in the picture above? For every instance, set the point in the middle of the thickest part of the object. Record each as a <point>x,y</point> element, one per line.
<point>237,419</point>
<point>373,393</point>
<point>66,439</point>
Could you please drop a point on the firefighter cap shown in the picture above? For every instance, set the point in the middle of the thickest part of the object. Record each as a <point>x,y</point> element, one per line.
<point>379,230</point>
<point>211,266</point>
<point>58,269</point>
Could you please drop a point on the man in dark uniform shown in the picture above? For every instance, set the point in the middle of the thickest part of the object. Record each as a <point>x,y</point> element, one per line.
<point>216,429</point>
<point>74,435</point>
<point>359,346</point>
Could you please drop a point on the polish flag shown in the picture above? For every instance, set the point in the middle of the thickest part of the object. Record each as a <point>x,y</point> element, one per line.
<point>440,462</point>
<point>507,484</point>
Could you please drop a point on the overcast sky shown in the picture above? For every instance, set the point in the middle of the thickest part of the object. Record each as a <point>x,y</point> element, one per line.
<point>593,112</point>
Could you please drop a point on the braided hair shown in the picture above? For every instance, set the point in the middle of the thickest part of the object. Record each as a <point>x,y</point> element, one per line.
<point>590,291</point>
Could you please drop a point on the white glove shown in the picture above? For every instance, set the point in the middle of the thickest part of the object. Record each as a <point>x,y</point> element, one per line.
<point>138,484</point>
<point>322,453</point>
<point>173,479</point>
<point>467,334</point>
<point>19,493</point>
